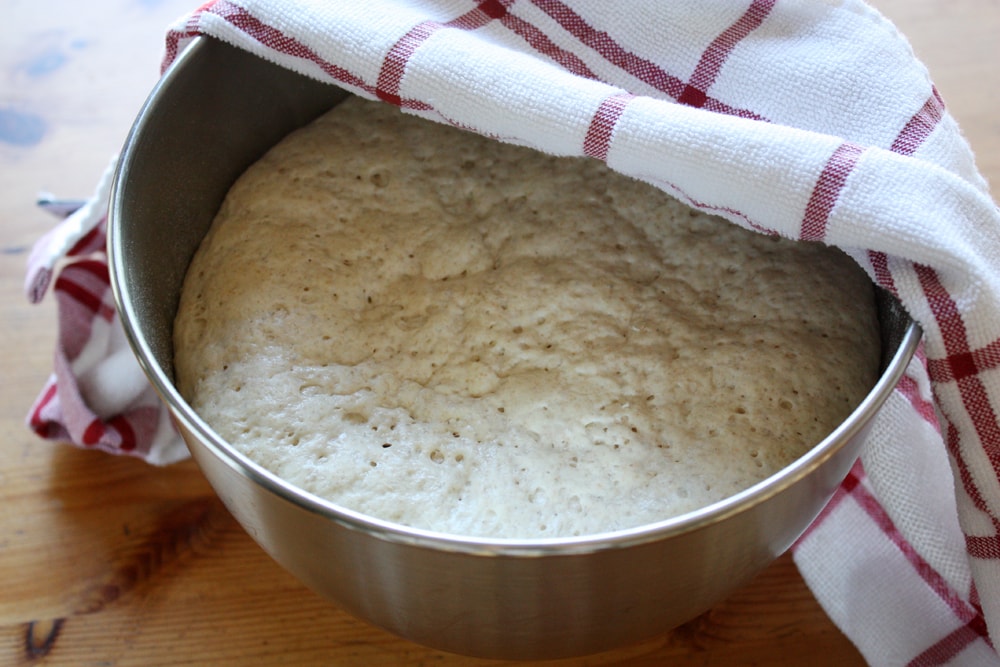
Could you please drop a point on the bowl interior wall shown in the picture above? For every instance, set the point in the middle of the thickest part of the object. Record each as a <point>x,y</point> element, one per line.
<point>225,108</point>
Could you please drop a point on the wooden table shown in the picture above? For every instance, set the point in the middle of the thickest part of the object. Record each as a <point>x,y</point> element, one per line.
<point>108,561</point>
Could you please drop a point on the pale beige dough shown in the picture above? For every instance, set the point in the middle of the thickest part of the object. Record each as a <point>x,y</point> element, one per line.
<point>456,334</point>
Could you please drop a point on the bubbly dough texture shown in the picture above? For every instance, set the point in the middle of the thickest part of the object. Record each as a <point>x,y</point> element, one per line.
<point>461,335</point>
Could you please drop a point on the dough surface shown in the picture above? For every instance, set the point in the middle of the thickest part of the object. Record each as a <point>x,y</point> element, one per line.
<point>448,332</point>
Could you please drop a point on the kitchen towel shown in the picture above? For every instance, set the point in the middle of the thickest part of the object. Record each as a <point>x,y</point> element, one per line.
<point>811,119</point>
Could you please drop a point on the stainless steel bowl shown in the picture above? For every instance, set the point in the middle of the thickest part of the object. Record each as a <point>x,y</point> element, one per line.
<point>214,113</point>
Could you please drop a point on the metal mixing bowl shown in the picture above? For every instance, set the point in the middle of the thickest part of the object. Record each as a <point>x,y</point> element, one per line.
<point>215,112</point>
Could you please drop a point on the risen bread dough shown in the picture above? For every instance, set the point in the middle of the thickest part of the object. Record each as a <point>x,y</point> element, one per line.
<point>448,332</point>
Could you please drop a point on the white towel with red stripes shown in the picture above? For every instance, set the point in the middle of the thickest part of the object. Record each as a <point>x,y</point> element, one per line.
<point>806,118</point>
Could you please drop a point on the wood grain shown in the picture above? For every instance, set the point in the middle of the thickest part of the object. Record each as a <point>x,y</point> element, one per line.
<point>108,561</point>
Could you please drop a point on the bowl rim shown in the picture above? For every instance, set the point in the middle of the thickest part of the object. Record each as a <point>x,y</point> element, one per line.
<point>690,521</point>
